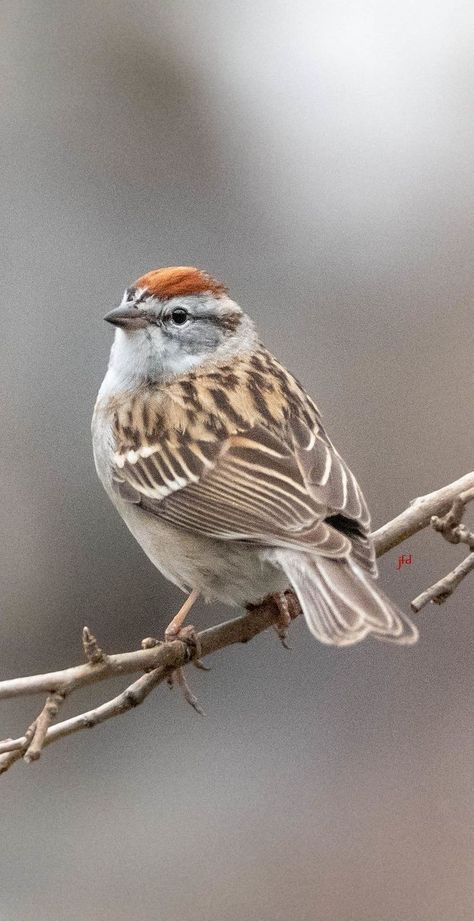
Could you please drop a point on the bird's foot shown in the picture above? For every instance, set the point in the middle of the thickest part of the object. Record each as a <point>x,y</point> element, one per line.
<point>286,613</point>
<point>190,638</point>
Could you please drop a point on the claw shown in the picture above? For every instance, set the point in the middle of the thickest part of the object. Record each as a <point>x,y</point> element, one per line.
<point>198,663</point>
<point>190,638</point>
<point>284,619</point>
<point>187,693</point>
<point>283,637</point>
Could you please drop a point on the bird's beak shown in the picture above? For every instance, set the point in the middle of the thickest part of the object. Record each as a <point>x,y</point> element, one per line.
<point>127,316</point>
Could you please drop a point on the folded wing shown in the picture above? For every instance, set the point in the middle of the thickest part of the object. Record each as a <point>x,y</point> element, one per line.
<point>272,488</point>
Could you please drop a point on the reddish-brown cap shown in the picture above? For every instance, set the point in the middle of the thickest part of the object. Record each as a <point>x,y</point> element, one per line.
<point>179,280</point>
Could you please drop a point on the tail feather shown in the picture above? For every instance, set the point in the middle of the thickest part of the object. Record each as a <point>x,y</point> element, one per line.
<point>340,601</point>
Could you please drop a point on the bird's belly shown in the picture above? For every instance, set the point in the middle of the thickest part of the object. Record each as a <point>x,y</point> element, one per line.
<point>232,572</point>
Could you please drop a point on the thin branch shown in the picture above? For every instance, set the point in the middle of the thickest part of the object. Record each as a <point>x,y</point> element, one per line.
<point>171,656</point>
<point>41,725</point>
<point>158,661</point>
<point>131,697</point>
<point>419,514</point>
<point>440,591</point>
<point>451,527</point>
<point>10,757</point>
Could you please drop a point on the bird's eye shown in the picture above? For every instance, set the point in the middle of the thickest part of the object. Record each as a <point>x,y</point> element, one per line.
<point>179,316</point>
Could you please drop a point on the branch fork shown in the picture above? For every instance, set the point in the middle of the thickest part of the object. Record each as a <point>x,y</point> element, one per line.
<point>156,661</point>
<point>450,526</point>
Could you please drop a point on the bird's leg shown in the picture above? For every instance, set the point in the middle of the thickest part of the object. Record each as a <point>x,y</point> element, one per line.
<point>187,635</point>
<point>174,627</point>
<point>176,631</point>
<point>284,618</point>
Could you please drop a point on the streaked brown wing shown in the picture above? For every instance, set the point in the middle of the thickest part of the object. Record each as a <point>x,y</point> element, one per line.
<point>330,481</point>
<point>254,493</point>
<point>326,474</point>
<point>249,486</point>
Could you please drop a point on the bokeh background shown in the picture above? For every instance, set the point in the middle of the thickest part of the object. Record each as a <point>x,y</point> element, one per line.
<point>317,156</point>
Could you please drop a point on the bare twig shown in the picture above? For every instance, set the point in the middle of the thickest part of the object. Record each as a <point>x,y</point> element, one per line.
<point>162,659</point>
<point>9,758</point>
<point>131,697</point>
<point>41,725</point>
<point>92,650</point>
<point>172,654</point>
<point>450,526</point>
<point>419,513</point>
<point>159,660</point>
<point>440,591</point>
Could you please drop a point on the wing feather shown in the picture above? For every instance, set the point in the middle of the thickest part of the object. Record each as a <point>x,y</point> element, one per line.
<point>279,483</point>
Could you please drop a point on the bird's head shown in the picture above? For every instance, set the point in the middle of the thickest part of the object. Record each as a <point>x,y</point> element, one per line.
<point>174,319</point>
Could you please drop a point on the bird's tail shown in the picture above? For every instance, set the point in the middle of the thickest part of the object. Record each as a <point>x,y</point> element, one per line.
<point>340,601</point>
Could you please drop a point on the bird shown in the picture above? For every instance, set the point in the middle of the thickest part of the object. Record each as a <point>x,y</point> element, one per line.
<point>220,465</point>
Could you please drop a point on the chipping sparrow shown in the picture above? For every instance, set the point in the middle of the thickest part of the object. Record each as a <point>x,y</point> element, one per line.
<point>219,464</point>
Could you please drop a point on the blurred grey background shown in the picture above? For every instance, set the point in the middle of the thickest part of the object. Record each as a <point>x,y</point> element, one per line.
<point>318,157</point>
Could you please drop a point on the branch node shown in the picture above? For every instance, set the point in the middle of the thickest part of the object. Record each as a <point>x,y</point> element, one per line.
<point>92,651</point>
<point>37,731</point>
<point>443,508</point>
<point>441,590</point>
